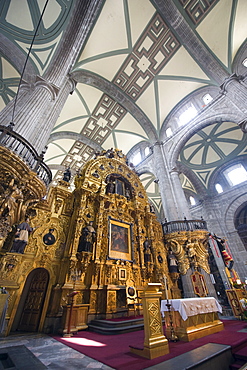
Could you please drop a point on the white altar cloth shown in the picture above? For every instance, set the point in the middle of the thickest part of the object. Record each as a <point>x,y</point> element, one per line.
<point>192,306</point>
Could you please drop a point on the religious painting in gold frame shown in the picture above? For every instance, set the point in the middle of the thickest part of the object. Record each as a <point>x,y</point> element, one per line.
<point>120,240</point>
<point>122,274</point>
<point>234,302</point>
<point>199,284</point>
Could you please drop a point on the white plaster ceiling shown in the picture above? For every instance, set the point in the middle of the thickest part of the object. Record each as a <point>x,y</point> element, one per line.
<point>123,29</point>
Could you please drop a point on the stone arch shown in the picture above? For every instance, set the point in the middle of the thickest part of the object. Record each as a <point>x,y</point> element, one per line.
<point>154,205</point>
<point>232,211</point>
<point>75,136</point>
<point>199,188</point>
<point>187,132</point>
<point>220,170</point>
<point>241,223</point>
<point>237,65</point>
<point>144,169</point>
<point>195,98</point>
<point>16,57</point>
<point>141,146</point>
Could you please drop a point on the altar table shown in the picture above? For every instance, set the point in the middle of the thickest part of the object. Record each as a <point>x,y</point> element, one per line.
<point>192,318</point>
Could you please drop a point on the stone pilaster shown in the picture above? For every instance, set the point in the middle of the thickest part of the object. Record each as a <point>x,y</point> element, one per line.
<point>172,195</point>
<point>39,104</point>
<point>163,178</point>
<point>182,204</point>
<point>49,117</point>
<point>188,289</point>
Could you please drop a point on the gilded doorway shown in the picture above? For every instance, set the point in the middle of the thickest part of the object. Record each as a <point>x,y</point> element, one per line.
<point>32,301</point>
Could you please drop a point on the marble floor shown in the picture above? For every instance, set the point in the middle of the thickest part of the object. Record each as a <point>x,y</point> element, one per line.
<point>53,354</point>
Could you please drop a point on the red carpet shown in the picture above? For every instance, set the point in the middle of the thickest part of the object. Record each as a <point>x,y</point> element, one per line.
<point>113,350</point>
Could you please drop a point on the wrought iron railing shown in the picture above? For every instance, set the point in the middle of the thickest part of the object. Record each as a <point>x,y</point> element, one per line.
<point>20,146</point>
<point>185,225</point>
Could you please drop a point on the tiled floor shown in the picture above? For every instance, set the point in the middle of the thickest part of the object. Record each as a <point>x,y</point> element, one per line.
<point>53,354</point>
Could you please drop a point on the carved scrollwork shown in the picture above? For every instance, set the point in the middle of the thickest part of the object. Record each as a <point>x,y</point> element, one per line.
<point>183,262</point>
<point>190,249</point>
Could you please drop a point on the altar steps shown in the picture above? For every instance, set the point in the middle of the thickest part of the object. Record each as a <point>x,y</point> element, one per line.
<point>109,327</point>
<point>240,357</point>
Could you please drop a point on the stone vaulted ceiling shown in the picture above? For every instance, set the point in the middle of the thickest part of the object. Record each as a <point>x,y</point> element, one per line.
<point>133,75</point>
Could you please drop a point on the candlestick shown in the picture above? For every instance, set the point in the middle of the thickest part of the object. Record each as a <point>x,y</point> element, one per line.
<point>71,296</point>
<point>166,286</point>
<point>173,337</point>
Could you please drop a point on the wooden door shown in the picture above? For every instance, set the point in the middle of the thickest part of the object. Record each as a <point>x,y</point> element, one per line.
<point>34,301</point>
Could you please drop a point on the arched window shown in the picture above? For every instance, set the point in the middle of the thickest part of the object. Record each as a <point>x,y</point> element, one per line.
<point>207,98</point>
<point>192,201</point>
<point>169,132</point>
<point>186,116</point>
<point>236,174</point>
<point>147,151</point>
<point>136,158</point>
<point>218,188</point>
<point>244,62</point>
<point>241,225</point>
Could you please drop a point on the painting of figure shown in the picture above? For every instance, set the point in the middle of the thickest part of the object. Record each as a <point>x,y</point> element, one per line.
<point>120,240</point>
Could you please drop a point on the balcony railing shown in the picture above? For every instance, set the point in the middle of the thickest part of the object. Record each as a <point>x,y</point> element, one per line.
<point>17,144</point>
<point>185,225</point>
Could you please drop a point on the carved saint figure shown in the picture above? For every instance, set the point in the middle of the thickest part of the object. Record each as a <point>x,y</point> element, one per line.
<point>12,200</point>
<point>95,174</point>
<point>67,175</point>
<point>87,238</point>
<point>160,258</point>
<point>128,193</point>
<point>152,209</point>
<point>21,237</point>
<point>110,188</point>
<point>147,252</point>
<point>172,262</point>
<point>110,153</point>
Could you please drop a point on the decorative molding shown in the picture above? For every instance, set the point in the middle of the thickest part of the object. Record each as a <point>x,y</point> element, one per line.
<point>150,54</point>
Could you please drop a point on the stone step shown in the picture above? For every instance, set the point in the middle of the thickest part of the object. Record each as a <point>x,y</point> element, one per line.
<point>241,354</point>
<point>209,356</point>
<point>109,327</point>
<point>238,365</point>
<point>240,357</point>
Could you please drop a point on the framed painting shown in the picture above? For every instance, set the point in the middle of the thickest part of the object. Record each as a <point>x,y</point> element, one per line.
<point>235,303</point>
<point>122,274</point>
<point>119,240</point>
<point>199,284</point>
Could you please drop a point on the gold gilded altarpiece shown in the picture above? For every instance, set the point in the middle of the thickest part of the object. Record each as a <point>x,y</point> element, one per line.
<point>124,251</point>
<point>126,247</point>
